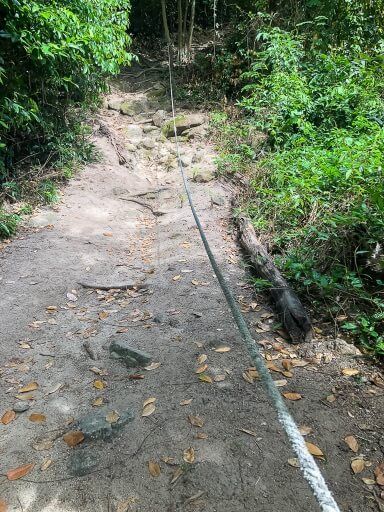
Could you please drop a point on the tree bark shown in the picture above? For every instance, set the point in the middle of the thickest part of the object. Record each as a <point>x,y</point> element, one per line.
<point>165,22</point>
<point>180,29</point>
<point>291,312</point>
<point>192,24</point>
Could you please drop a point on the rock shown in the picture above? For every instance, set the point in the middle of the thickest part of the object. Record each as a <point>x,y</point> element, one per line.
<point>132,357</point>
<point>184,122</point>
<point>134,107</point>
<point>174,322</point>
<point>202,175</point>
<point>148,144</point>
<point>159,118</point>
<point>95,425</point>
<point>197,133</point>
<point>115,104</point>
<point>157,91</point>
<point>218,200</point>
<point>158,319</point>
<point>345,348</point>
<point>149,129</point>
<point>21,406</point>
<point>130,147</point>
<point>82,462</point>
<point>134,133</point>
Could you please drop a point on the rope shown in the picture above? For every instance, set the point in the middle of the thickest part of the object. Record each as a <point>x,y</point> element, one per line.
<point>308,465</point>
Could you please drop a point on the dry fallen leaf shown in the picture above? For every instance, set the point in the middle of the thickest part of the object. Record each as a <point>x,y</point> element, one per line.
<point>202,369</point>
<point>45,444</point>
<point>201,435</point>
<point>152,366</point>
<point>286,364</point>
<point>378,380</point>
<point>280,383</point>
<point>154,468</point>
<point>205,378</point>
<point>304,430</point>
<point>3,506</point>
<point>46,464</point>
<point>97,402</point>
<point>125,506</point>
<point>202,358</point>
<point>103,315</point>
<point>36,417</point>
<point>196,421</point>
<point>72,297</point>
<point>352,443</point>
<point>54,389</point>
<point>26,396</point>
<point>99,384</point>
<point>299,363</point>
<point>349,372</point>
<point>149,401</point>
<point>29,387</point>
<point>222,350</point>
<point>186,402</point>
<point>379,474</point>
<point>219,378</point>
<point>314,450</point>
<point>15,474</point>
<point>112,417</point>
<point>249,432</point>
<point>331,398</point>
<point>357,465</point>
<point>292,396</point>
<point>294,462</point>
<point>176,278</point>
<point>148,409</point>
<point>368,481</point>
<point>73,438</point>
<point>189,455</point>
<point>176,475</point>
<point>7,417</point>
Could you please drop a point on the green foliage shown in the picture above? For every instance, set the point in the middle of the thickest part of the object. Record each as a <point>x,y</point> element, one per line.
<point>55,57</point>
<point>8,224</point>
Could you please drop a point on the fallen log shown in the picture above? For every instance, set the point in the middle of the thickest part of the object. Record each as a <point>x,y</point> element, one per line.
<point>288,306</point>
<point>128,286</point>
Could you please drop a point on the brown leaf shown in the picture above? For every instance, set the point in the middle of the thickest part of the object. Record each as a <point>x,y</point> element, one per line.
<point>154,468</point>
<point>176,278</point>
<point>331,398</point>
<point>125,506</point>
<point>36,417</point>
<point>349,372</point>
<point>352,443</point>
<point>205,378</point>
<point>294,462</point>
<point>73,438</point>
<point>202,369</point>
<point>196,421</point>
<point>29,387</point>
<point>97,402</point>
<point>136,376</point>
<point>176,475</point>
<point>202,358</point>
<point>222,350</point>
<point>186,402</point>
<point>54,389</point>
<point>189,455</point>
<point>201,435</point>
<point>3,506</point>
<point>26,396</point>
<point>7,417</point>
<point>149,401</point>
<point>314,450</point>
<point>292,396</point>
<point>148,409</point>
<point>99,384</point>
<point>219,378</point>
<point>98,371</point>
<point>378,380</point>
<point>379,474</point>
<point>280,383</point>
<point>112,417</point>
<point>286,364</point>
<point>357,465</point>
<point>152,366</point>
<point>15,474</point>
<point>46,464</point>
<point>299,363</point>
<point>103,315</point>
<point>304,430</point>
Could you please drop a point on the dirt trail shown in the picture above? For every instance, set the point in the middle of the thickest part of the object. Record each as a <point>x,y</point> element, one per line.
<point>51,328</point>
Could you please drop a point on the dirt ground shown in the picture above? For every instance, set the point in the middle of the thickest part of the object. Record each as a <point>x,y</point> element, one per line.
<point>210,441</point>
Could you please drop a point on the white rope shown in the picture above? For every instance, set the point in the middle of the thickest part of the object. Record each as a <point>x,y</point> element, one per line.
<point>308,465</point>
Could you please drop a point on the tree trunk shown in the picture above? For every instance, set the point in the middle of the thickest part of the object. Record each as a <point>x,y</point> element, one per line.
<point>180,30</point>
<point>192,25</point>
<point>292,313</point>
<point>186,8</point>
<point>165,22</point>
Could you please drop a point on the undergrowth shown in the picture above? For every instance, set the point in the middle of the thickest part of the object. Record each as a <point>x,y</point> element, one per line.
<point>316,177</point>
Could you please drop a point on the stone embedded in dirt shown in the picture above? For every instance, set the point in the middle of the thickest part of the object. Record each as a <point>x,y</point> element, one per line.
<point>218,200</point>
<point>197,133</point>
<point>347,349</point>
<point>132,357</point>
<point>130,147</point>
<point>148,144</point>
<point>20,406</point>
<point>159,118</point>
<point>157,91</point>
<point>202,175</point>
<point>183,123</point>
<point>149,129</point>
<point>115,104</point>
<point>95,425</point>
<point>82,462</point>
<point>134,107</point>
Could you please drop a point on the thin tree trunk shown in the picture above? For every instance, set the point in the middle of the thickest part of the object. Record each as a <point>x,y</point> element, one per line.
<point>192,25</point>
<point>165,22</point>
<point>186,8</point>
<point>180,29</point>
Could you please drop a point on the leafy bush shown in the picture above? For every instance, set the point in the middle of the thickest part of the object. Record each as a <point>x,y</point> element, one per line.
<point>55,57</point>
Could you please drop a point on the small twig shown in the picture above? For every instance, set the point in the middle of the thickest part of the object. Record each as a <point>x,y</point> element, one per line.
<point>89,351</point>
<point>156,213</point>
<point>127,286</point>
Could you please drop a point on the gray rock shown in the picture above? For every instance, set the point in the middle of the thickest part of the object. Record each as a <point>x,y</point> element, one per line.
<point>149,129</point>
<point>159,118</point>
<point>130,147</point>
<point>174,322</point>
<point>202,175</point>
<point>148,144</point>
<point>133,107</point>
<point>115,104</point>
<point>82,462</point>
<point>20,406</point>
<point>345,348</point>
<point>197,133</point>
<point>95,426</point>
<point>132,357</point>
<point>157,91</point>
<point>183,123</point>
<point>218,200</point>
